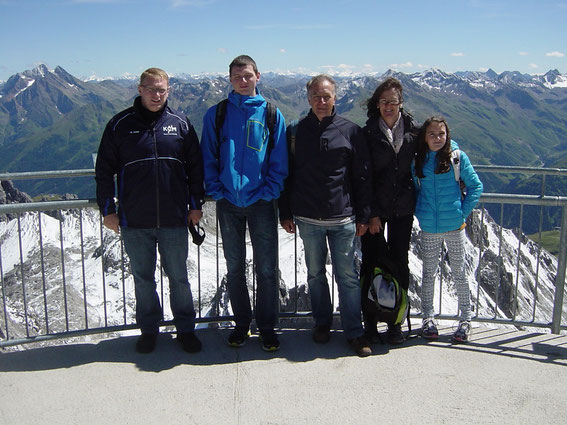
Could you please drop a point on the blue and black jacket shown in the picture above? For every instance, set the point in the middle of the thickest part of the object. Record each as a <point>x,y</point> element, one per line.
<point>247,170</point>
<point>158,166</point>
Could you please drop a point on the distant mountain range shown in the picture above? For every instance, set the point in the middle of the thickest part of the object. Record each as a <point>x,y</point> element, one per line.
<point>51,120</point>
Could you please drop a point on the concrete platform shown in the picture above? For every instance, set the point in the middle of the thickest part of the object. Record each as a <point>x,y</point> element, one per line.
<point>502,376</point>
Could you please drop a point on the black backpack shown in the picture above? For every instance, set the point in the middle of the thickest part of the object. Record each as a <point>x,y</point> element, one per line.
<point>383,298</point>
<point>271,117</point>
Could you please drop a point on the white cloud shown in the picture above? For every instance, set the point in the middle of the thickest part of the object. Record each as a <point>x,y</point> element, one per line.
<point>283,51</point>
<point>523,53</point>
<point>222,50</point>
<point>533,65</point>
<point>555,54</point>
<point>458,54</point>
<point>401,65</point>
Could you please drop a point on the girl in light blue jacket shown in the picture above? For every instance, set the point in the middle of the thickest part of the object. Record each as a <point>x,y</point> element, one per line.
<point>442,212</point>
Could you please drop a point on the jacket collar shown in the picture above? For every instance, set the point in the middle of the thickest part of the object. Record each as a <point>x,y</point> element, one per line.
<point>325,121</point>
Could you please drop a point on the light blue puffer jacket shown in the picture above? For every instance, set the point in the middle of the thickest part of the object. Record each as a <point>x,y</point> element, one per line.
<point>439,206</point>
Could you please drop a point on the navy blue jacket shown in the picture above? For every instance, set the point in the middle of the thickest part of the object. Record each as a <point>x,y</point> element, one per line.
<point>329,176</point>
<point>158,166</point>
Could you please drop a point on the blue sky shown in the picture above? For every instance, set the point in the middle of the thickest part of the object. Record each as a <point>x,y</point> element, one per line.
<point>113,37</point>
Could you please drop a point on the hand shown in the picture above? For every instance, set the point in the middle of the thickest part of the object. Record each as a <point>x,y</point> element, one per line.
<point>194,217</point>
<point>361,229</point>
<point>112,222</point>
<point>288,225</point>
<point>375,225</point>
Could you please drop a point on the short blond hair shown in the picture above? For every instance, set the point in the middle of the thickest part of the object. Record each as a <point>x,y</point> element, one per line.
<point>154,73</point>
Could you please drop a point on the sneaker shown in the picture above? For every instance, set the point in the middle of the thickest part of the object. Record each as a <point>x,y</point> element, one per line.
<point>395,335</point>
<point>238,336</point>
<point>321,334</point>
<point>146,343</point>
<point>429,329</point>
<point>270,341</point>
<point>189,341</point>
<point>463,332</point>
<point>360,346</point>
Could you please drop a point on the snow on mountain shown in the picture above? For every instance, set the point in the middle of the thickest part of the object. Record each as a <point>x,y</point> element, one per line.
<point>109,297</point>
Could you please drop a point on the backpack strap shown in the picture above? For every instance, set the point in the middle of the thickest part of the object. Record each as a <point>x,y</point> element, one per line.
<point>456,160</point>
<point>271,118</point>
<point>291,133</point>
<point>219,121</point>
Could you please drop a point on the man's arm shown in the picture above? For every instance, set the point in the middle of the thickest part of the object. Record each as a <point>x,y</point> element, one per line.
<point>209,151</point>
<point>278,165</point>
<point>106,167</point>
<point>361,177</point>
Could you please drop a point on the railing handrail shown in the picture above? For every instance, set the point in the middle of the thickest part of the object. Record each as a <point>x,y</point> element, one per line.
<point>494,198</point>
<point>90,172</point>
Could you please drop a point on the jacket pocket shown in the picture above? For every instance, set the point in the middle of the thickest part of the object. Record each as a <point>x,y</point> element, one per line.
<point>256,135</point>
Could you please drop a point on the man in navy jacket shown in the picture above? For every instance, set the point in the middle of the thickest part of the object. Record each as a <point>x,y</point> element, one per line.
<point>154,152</point>
<point>328,193</point>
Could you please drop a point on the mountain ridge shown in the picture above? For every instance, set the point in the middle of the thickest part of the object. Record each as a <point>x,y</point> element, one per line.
<point>53,120</point>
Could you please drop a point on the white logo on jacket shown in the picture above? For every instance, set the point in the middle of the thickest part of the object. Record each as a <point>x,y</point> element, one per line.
<point>170,130</point>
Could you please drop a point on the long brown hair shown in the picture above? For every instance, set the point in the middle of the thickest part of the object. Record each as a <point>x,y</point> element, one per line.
<point>387,84</point>
<point>443,155</point>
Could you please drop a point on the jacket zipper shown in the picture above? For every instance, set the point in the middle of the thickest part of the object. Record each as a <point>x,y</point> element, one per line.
<point>153,134</point>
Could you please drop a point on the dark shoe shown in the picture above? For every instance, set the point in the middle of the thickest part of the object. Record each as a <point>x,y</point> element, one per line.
<point>238,336</point>
<point>189,341</point>
<point>395,335</point>
<point>146,343</point>
<point>360,346</point>
<point>321,334</point>
<point>270,341</point>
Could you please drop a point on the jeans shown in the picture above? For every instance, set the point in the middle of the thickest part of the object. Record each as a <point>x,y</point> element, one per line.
<point>341,243</point>
<point>172,242</point>
<point>262,224</point>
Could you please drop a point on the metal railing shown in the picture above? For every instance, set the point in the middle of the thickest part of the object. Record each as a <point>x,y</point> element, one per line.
<point>44,299</point>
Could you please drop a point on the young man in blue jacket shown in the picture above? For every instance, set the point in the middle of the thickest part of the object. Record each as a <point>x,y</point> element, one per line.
<point>244,173</point>
<point>328,194</point>
<point>154,152</point>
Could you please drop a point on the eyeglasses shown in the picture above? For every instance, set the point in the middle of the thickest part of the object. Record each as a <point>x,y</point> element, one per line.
<point>155,90</point>
<point>384,102</point>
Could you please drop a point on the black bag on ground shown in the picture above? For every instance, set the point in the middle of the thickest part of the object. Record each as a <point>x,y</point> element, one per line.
<point>383,298</point>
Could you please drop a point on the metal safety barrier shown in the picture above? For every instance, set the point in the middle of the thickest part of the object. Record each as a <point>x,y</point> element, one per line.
<point>64,275</point>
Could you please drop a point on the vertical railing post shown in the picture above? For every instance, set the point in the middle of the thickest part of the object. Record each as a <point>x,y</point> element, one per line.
<point>560,277</point>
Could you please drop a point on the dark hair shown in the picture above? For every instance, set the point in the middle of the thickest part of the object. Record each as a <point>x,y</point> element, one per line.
<point>443,156</point>
<point>318,79</point>
<point>242,60</point>
<point>387,84</point>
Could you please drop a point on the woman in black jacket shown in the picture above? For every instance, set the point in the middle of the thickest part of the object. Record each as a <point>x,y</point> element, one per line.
<point>391,134</point>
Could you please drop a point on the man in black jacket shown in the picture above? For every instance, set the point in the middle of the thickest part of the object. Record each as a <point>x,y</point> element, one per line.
<point>154,152</point>
<point>328,194</point>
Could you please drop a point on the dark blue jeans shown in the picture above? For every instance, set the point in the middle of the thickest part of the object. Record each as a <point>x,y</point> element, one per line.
<point>341,243</point>
<point>140,245</point>
<point>262,224</point>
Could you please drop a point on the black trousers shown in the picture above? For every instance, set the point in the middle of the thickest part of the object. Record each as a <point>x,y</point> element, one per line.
<point>389,250</point>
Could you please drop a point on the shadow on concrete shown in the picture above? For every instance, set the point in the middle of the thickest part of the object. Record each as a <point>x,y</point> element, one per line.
<point>296,346</point>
